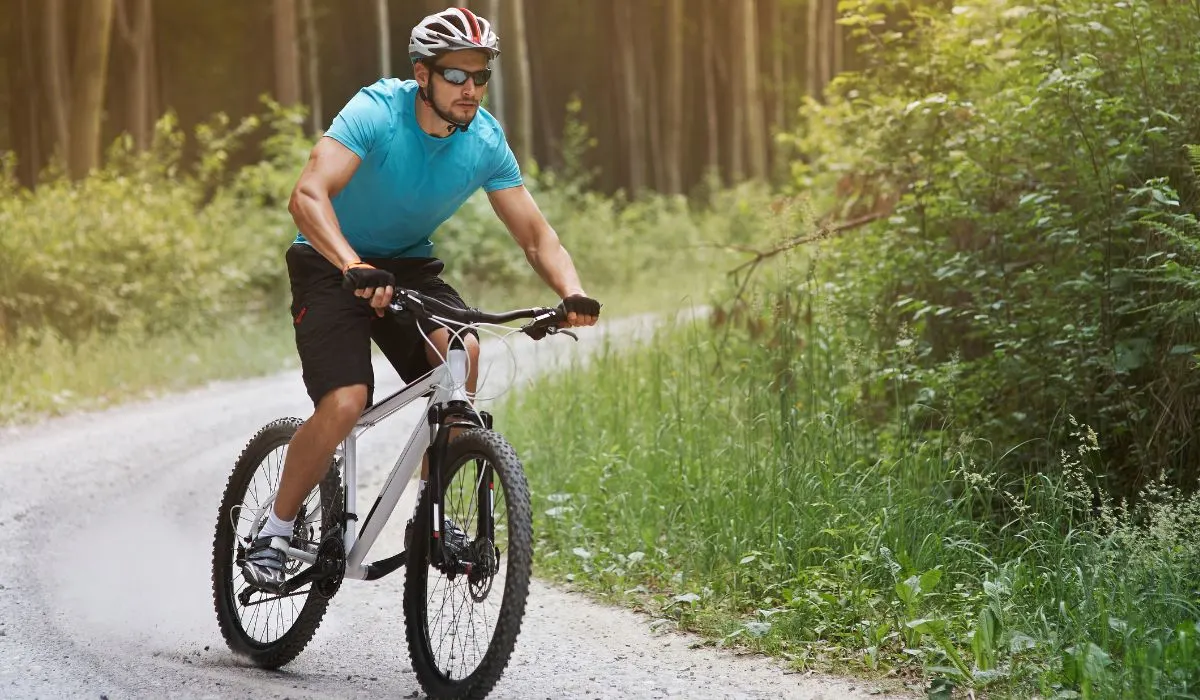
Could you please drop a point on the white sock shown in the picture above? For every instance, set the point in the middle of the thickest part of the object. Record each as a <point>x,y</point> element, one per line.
<point>276,527</point>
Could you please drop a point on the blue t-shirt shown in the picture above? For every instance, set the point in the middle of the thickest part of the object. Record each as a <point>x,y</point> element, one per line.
<point>410,182</point>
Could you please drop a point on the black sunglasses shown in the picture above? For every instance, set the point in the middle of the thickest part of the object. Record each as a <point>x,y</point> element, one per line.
<point>458,76</point>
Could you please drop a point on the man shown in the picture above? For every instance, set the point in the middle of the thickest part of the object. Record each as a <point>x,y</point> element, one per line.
<point>399,159</point>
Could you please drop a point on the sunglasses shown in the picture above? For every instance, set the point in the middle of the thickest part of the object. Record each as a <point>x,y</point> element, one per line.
<point>458,76</point>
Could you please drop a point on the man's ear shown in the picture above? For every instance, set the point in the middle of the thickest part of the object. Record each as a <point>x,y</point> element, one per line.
<point>421,73</point>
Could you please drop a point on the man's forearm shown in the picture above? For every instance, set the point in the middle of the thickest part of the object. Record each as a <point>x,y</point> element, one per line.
<point>554,265</point>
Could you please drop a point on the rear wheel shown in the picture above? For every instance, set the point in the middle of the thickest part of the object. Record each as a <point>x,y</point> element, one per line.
<point>462,615</point>
<point>268,629</point>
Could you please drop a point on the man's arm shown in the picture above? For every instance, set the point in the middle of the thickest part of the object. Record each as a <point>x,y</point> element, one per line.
<point>543,250</point>
<point>330,166</point>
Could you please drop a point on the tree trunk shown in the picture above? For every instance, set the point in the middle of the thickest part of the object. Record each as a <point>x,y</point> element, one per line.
<point>756,126</point>
<point>650,130</point>
<point>496,85</point>
<point>88,79</point>
<point>813,30</point>
<point>385,39</point>
<point>519,83</point>
<point>24,112</point>
<point>711,96</point>
<point>287,54</point>
<point>138,36</point>
<point>313,54</point>
<point>737,130</point>
<point>57,78</point>
<point>780,34</point>
<point>633,119</point>
<point>838,45</point>
<point>673,151</point>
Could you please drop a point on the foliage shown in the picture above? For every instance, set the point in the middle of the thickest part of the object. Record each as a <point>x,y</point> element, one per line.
<point>163,246</point>
<point>1040,253</point>
<point>721,478</point>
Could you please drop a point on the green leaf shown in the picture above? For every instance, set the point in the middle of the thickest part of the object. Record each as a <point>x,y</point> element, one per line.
<point>932,627</point>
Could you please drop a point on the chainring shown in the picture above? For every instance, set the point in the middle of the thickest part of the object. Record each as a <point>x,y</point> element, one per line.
<point>331,566</point>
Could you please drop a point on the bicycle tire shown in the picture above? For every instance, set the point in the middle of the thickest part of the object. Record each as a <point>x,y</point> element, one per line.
<point>271,655</point>
<point>466,448</point>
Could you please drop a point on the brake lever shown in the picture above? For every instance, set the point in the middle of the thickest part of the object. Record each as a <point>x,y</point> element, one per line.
<point>555,330</point>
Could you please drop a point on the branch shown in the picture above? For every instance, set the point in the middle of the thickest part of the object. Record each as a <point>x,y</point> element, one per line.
<point>823,231</point>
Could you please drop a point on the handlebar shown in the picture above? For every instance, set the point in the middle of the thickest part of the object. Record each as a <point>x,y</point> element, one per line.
<point>545,320</point>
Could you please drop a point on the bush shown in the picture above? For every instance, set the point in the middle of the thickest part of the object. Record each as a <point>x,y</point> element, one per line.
<point>1036,153</point>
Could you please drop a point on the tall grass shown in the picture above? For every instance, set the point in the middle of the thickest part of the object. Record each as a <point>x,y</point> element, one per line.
<point>731,477</point>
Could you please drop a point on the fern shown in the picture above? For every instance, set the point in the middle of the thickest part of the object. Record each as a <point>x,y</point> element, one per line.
<point>1194,156</point>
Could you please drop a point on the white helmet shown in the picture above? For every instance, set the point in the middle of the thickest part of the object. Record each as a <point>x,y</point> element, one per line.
<point>452,29</point>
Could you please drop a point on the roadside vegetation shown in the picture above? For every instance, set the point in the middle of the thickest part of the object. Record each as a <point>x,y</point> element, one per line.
<point>956,442</point>
<point>165,268</point>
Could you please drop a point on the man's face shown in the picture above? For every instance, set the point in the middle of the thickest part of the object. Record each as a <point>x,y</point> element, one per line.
<point>459,101</point>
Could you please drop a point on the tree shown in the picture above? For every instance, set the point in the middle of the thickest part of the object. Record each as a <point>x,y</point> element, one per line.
<point>756,125</point>
<point>673,151</point>
<point>712,63</point>
<point>736,132</point>
<point>287,53</point>
<point>135,25</point>
<point>313,54</point>
<point>385,40</point>
<point>519,102</point>
<point>24,123</point>
<point>629,114</point>
<point>496,91</point>
<point>78,97</point>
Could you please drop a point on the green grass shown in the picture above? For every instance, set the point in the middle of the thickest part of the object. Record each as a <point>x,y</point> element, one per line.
<point>727,480</point>
<point>48,376</point>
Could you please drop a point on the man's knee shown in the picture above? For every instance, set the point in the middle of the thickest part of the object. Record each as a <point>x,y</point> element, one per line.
<point>441,347</point>
<point>343,405</point>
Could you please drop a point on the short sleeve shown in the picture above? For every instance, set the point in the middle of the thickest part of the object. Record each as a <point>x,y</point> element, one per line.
<point>506,174</point>
<point>364,121</point>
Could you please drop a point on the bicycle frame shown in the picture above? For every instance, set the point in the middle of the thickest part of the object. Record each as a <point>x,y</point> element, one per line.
<point>447,383</point>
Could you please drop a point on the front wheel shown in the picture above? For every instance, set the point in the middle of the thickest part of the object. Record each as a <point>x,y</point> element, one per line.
<point>464,600</point>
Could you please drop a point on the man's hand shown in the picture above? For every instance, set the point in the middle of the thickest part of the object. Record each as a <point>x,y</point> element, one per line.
<point>581,310</point>
<point>370,282</point>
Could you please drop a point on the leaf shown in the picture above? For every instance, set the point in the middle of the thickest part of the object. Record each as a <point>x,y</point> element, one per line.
<point>932,627</point>
<point>1020,641</point>
<point>758,629</point>
<point>930,580</point>
<point>748,558</point>
<point>687,598</point>
<point>635,557</point>
<point>582,553</point>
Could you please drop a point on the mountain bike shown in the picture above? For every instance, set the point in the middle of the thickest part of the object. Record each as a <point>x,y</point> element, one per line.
<point>468,549</point>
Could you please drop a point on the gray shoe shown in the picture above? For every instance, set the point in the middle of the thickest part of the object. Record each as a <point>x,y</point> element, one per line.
<point>264,563</point>
<point>456,540</point>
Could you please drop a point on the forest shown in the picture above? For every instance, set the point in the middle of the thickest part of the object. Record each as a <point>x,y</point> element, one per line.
<point>670,89</point>
<point>940,424</point>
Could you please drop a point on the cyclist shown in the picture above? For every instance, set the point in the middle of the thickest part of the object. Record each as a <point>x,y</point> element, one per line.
<point>399,159</point>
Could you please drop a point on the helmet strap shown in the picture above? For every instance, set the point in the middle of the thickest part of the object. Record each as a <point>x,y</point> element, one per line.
<point>455,125</point>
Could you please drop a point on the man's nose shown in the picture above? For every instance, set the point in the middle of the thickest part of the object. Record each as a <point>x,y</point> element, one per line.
<point>469,88</point>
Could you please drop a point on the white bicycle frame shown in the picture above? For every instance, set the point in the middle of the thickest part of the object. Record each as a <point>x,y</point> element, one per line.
<point>447,382</point>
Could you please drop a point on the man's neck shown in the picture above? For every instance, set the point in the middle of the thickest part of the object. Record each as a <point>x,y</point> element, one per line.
<point>429,121</point>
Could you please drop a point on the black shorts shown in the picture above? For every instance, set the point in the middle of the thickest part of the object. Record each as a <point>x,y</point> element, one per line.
<point>334,328</point>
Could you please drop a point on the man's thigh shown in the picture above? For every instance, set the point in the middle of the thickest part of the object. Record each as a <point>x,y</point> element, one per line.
<point>404,343</point>
<point>332,326</point>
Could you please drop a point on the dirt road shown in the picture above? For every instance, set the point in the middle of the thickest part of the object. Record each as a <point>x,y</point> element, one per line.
<point>107,522</point>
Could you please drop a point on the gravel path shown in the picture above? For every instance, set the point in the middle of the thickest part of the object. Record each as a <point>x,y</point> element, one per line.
<point>107,521</point>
